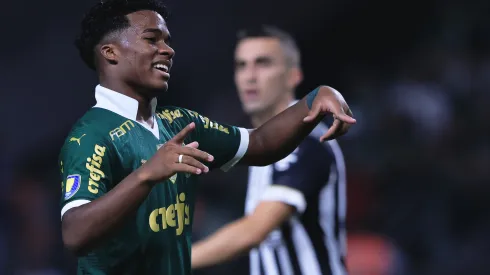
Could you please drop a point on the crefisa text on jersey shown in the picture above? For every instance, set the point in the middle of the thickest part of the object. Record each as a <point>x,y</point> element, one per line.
<point>175,215</point>
<point>94,166</point>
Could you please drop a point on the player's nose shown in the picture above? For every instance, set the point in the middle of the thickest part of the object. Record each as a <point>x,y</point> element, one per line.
<point>166,50</point>
<point>250,74</point>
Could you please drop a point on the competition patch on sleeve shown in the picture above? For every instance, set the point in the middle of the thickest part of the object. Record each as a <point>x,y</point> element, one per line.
<point>72,185</point>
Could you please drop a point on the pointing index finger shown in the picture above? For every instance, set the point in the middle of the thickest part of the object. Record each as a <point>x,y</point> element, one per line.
<point>179,137</point>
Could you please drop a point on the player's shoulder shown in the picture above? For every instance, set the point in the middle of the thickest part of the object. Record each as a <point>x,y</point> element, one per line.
<point>174,113</point>
<point>311,156</point>
<point>160,110</point>
<point>310,151</point>
<point>99,120</point>
<point>93,128</point>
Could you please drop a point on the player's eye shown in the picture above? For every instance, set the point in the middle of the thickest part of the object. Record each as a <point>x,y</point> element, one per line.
<point>264,61</point>
<point>239,65</point>
<point>168,40</point>
<point>151,39</point>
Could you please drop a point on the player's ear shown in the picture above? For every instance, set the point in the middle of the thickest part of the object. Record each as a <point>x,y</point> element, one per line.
<point>295,77</point>
<point>109,52</point>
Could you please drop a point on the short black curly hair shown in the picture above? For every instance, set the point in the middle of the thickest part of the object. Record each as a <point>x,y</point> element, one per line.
<point>106,17</point>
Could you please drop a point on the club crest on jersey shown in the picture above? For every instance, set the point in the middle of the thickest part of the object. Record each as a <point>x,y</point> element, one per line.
<point>72,185</point>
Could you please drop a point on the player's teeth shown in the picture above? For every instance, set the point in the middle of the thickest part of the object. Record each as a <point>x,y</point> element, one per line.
<point>161,66</point>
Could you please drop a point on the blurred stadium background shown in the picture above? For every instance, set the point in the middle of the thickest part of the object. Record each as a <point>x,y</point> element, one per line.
<point>416,74</point>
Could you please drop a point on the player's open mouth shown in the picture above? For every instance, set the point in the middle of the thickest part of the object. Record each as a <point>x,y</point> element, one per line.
<point>162,68</point>
<point>252,94</point>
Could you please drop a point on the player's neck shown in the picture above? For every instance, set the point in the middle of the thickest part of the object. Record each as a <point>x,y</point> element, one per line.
<point>145,113</point>
<point>259,118</point>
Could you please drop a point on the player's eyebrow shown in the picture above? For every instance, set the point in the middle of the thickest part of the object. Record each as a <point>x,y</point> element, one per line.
<point>158,32</point>
<point>239,63</point>
<point>263,59</point>
<point>153,30</point>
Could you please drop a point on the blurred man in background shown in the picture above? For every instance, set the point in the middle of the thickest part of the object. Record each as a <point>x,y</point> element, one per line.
<point>295,208</point>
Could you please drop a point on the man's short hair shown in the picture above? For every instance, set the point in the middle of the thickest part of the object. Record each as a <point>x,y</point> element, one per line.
<point>288,43</point>
<point>107,17</point>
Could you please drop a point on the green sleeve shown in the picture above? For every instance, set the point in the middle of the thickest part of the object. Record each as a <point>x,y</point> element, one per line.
<point>226,143</point>
<point>85,168</point>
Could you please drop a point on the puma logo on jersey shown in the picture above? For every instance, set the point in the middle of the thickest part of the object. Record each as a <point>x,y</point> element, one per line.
<point>77,139</point>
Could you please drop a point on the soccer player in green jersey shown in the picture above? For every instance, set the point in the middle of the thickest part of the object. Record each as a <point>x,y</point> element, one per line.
<point>129,168</point>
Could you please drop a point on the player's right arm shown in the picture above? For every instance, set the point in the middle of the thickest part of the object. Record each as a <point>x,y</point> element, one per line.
<point>93,205</point>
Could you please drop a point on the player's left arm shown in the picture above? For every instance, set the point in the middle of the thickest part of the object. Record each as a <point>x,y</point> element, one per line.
<point>241,235</point>
<point>272,141</point>
<point>282,134</point>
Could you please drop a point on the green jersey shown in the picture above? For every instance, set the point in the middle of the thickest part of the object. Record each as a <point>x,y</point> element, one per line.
<point>105,146</point>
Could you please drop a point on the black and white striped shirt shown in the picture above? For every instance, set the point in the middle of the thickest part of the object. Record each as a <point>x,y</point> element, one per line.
<point>313,180</point>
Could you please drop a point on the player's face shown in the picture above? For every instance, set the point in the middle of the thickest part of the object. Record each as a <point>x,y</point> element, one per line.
<point>146,56</point>
<point>261,73</point>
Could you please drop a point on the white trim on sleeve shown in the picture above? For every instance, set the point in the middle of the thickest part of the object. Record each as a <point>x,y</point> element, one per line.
<point>287,195</point>
<point>242,149</point>
<point>72,204</point>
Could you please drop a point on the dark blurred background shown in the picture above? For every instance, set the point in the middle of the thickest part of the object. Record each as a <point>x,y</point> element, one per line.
<point>417,77</point>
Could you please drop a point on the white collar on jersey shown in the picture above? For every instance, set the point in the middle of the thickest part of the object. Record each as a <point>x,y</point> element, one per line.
<point>118,103</point>
<point>123,105</point>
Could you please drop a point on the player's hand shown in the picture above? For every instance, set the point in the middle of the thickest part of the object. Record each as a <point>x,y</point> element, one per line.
<point>167,161</point>
<point>328,100</point>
